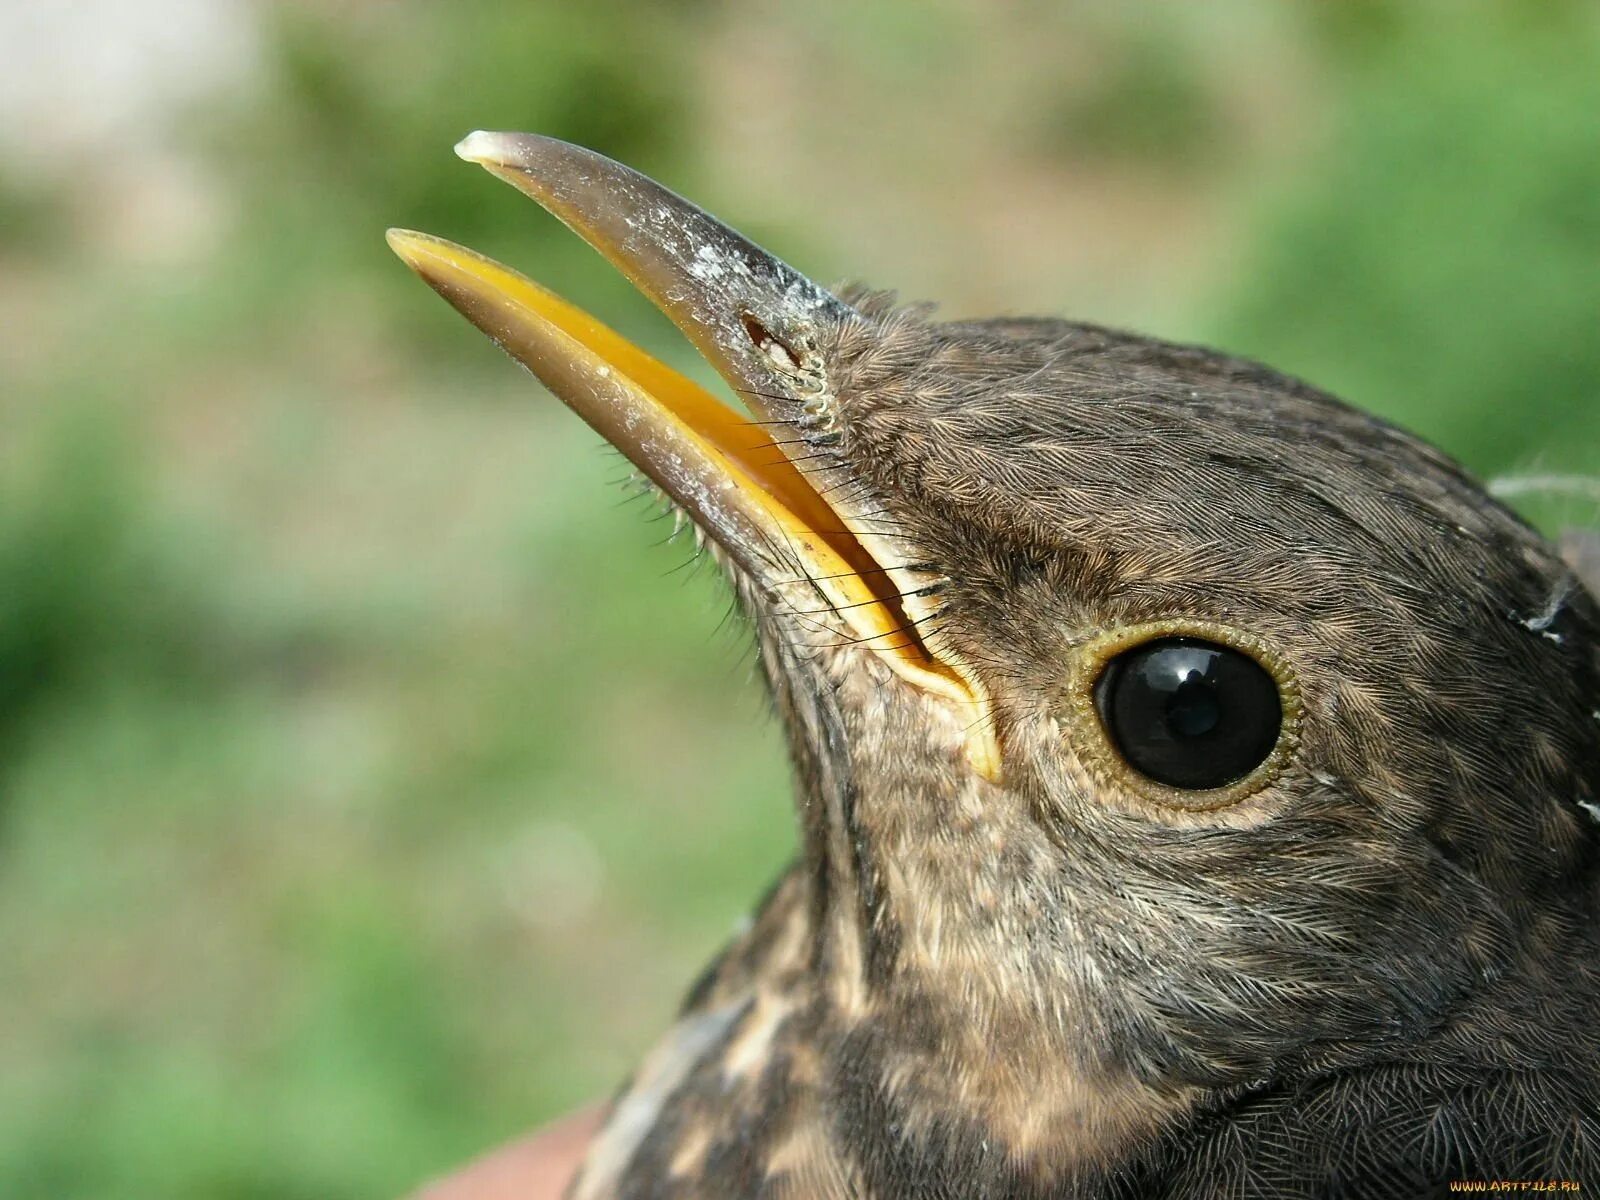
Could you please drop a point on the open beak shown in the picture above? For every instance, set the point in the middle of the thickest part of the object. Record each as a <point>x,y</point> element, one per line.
<point>745,482</point>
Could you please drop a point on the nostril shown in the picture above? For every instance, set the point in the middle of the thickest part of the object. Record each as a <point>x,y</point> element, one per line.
<point>777,351</point>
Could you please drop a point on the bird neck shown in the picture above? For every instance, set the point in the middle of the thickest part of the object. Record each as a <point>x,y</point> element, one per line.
<point>926,890</point>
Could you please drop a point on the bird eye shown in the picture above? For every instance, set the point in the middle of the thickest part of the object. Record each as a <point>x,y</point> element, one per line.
<point>1189,713</point>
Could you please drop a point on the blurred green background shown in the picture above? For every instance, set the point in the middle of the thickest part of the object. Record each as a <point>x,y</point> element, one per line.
<point>371,783</point>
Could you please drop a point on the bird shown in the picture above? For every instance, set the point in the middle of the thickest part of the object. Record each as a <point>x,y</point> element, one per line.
<point>1197,778</point>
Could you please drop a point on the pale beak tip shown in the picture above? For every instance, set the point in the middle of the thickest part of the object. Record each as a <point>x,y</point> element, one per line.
<point>485,147</point>
<point>408,244</point>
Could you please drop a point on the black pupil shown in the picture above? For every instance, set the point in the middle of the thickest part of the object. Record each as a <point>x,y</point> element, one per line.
<point>1189,713</point>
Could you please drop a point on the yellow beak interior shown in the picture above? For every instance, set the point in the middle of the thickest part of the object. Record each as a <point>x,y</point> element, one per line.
<point>720,465</point>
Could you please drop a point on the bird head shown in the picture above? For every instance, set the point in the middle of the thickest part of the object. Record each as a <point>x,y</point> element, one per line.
<point>1152,712</point>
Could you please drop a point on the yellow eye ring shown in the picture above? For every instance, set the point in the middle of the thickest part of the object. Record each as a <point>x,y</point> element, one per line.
<point>1098,748</point>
